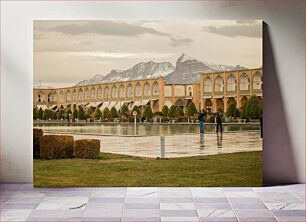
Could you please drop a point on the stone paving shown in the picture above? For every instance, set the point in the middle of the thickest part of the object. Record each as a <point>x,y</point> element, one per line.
<point>22,202</point>
<point>180,145</point>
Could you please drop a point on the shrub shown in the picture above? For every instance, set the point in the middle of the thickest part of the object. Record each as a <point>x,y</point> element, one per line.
<point>147,113</point>
<point>244,112</point>
<point>87,149</point>
<point>75,113</point>
<point>179,111</point>
<point>56,147</point>
<point>40,113</point>
<point>253,109</point>
<point>68,113</point>
<point>165,110</point>
<point>60,114</point>
<point>136,108</point>
<point>232,110</point>
<point>49,114</point>
<point>191,109</point>
<point>105,113</point>
<point>35,113</point>
<point>81,113</point>
<point>172,111</point>
<point>98,113</point>
<point>158,114</point>
<point>37,134</point>
<point>88,113</point>
<point>113,113</point>
<point>124,110</point>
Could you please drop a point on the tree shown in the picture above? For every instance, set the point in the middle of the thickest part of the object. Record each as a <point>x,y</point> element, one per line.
<point>253,109</point>
<point>136,108</point>
<point>40,113</point>
<point>35,113</point>
<point>232,110</point>
<point>75,113</point>
<point>191,109</point>
<point>179,111</point>
<point>148,112</point>
<point>60,114</point>
<point>68,113</point>
<point>172,111</point>
<point>124,110</point>
<point>165,110</point>
<point>48,114</point>
<point>243,112</point>
<point>98,113</point>
<point>88,113</point>
<point>113,113</point>
<point>105,113</point>
<point>81,113</point>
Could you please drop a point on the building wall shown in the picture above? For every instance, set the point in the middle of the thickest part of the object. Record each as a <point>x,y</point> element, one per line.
<point>235,87</point>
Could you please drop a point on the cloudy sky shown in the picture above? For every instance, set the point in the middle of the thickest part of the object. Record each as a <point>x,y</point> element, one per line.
<point>66,52</point>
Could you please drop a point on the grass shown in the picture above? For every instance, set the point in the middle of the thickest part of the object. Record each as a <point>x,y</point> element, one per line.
<point>235,169</point>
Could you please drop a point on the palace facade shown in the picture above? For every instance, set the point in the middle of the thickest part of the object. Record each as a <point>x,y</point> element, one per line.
<point>214,91</point>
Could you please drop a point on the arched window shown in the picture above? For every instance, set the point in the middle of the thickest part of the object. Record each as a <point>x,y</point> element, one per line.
<point>130,91</point>
<point>189,91</point>
<point>138,89</point>
<point>81,94</point>
<point>155,89</point>
<point>231,83</point>
<point>106,93</point>
<point>114,92</point>
<point>121,91</point>
<point>68,96</point>
<point>50,97</point>
<point>219,84</point>
<point>257,81</point>
<point>93,93</point>
<point>41,97</point>
<point>146,89</point>
<point>207,84</point>
<point>74,95</point>
<point>54,96</point>
<point>100,92</point>
<point>62,96</point>
<point>244,82</point>
<point>87,95</point>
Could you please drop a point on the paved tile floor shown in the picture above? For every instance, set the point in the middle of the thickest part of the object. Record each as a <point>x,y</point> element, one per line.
<point>181,145</point>
<point>22,202</point>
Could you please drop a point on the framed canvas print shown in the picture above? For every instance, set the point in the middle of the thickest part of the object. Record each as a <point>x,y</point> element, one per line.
<point>147,103</point>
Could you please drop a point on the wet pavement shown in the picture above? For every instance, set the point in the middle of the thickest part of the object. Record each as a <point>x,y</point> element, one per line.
<point>181,145</point>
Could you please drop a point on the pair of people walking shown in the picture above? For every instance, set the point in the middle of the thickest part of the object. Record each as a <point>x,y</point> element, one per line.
<point>201,117</point>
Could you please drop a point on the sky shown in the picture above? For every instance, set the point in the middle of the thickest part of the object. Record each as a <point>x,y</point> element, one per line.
<point>68,51</point>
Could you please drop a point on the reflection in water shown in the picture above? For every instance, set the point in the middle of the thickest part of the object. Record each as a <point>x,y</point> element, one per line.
<point>219,140</point>
<point>201,141</point>
<point>145,129</point>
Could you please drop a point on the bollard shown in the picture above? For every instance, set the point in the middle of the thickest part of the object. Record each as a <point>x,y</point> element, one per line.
<point>162,146</point>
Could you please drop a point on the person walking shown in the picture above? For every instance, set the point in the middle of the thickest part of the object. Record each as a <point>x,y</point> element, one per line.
<point>202,115</point>
<point>219,122</point>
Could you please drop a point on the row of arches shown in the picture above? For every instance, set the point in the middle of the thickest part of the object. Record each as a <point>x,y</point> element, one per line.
<point>106,92</point>
<point>213,105</point>
<point>231,83</point>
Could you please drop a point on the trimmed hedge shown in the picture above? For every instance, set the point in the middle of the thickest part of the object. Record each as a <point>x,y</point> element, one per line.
<point>37,134</point>
<point>87,148</point>
<point>56,147</point>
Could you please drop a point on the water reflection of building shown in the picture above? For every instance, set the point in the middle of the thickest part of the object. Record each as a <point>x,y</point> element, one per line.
<point>215,90</point>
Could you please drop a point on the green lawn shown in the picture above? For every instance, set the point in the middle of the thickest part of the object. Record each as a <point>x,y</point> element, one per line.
<point>236,169</point>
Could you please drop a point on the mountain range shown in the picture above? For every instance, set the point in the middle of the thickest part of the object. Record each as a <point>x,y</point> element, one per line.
<point>186,71</point>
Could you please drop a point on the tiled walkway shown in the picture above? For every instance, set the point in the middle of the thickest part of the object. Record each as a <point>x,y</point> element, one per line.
<point>22,202</point>
<point>181,145</point>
